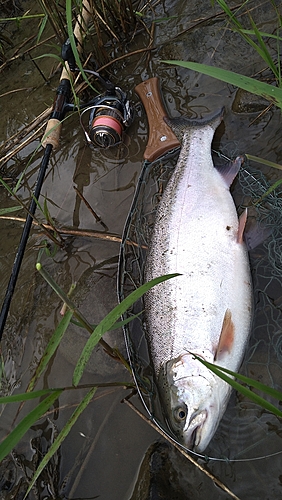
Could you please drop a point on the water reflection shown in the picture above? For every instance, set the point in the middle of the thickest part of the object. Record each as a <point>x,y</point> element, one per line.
<point>110,441</point>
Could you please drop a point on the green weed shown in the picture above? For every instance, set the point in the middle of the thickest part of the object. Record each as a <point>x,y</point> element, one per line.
<point>268,91</point>
<point>258,44</point>
<point>49,396</point>
<point>224,373</point>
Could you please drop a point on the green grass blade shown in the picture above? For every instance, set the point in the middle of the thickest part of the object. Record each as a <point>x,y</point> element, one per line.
<point>273,94</point>
<point>118,324</point>
<point>109,321</point>
<point>230,14</point>
<point>272,188</point>
<point>6,186</point>
<point>54,286</point>
<point>21,18</point>
<point>15,436</point>
<point>262,161</point>
<point>278,62</point>
<point>263,34</point>
<point>83,321</point>
<point>73,44</point>
<point>47,213</point>
<point>220,372</point>
<point>62,435</point>
<point>17,398</point>
<point>54,56</point>
<point>249,394</point>
<point>277,12</point>
<point>263,52</point>
<point>50,349</point>
<point>247,380</point>
<point>4,211</point>
<point>28,396</point>
<point>42,28</point>
<point>159,20</point>
<point>260,48</point>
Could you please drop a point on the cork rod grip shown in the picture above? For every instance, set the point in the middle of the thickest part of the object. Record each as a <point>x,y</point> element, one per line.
<point>54,124</point>
<point>79,32</point>
<point>161,138</point>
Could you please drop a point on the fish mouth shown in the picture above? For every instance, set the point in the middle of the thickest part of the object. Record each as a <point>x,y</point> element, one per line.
<point>192,432</point>
<point>193,438</point>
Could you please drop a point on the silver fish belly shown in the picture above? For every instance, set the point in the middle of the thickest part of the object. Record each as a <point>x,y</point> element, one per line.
<point>207,309</point>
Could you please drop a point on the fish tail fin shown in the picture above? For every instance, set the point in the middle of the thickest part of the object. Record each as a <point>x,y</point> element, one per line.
<point>182,124</point>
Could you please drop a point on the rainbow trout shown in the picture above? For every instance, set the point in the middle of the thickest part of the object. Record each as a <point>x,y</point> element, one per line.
<point>207,309</point>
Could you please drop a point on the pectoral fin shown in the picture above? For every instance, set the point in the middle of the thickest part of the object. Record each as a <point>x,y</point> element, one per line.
<point>226,339</point>
<point>242,224</point>
<point>230,170</point>
<point>254,235</point>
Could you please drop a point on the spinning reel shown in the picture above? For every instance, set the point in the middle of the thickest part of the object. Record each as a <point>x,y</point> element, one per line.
<point>109,113</point>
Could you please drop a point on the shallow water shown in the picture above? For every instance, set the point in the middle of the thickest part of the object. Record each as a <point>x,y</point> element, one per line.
<point>103,454</point>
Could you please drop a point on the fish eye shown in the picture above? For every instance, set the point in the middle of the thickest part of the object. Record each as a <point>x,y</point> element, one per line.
<point>180,413</point>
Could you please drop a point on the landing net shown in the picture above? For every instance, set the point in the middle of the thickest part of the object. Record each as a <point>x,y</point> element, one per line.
<point>246,431</point>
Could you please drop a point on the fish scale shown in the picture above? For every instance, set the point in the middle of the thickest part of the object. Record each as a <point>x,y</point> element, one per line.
<point>206,310</point>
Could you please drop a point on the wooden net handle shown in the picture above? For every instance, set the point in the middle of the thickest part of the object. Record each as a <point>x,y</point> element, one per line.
<point>161,138</point>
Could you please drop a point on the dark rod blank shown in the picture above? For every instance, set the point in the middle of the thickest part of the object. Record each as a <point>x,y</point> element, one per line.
<point>24,238</point>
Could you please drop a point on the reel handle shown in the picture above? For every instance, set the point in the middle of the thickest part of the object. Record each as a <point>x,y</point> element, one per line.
<point>161,138</point>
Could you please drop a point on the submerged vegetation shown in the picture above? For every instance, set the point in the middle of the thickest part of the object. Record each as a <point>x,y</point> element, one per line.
<point>256,39</point>
<point>49,396</point>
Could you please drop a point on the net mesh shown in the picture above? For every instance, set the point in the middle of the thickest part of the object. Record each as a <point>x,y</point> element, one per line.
<point>245,429</point>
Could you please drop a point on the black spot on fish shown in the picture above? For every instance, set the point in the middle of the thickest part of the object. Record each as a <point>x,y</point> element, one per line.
<point>228,228</point>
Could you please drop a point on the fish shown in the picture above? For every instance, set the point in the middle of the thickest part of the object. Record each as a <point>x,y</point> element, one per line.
<point>207,309</point>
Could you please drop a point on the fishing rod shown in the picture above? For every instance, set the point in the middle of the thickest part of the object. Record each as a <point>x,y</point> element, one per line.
<point>50,142</point>
<point>109,115</point>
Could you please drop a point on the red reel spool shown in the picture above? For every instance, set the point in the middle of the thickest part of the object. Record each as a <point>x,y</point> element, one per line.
<point>106,128</point>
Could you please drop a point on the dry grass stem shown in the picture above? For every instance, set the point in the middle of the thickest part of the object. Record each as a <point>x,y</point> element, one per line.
<point>180,449</point>
<point>23,144</point>
<point>56,18</point>
<point>21,134</point>
<point>16,56</point>
<point>16,91</point>
<point>75,232</point>
<point>97,218</point>
<point>124,56</point>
